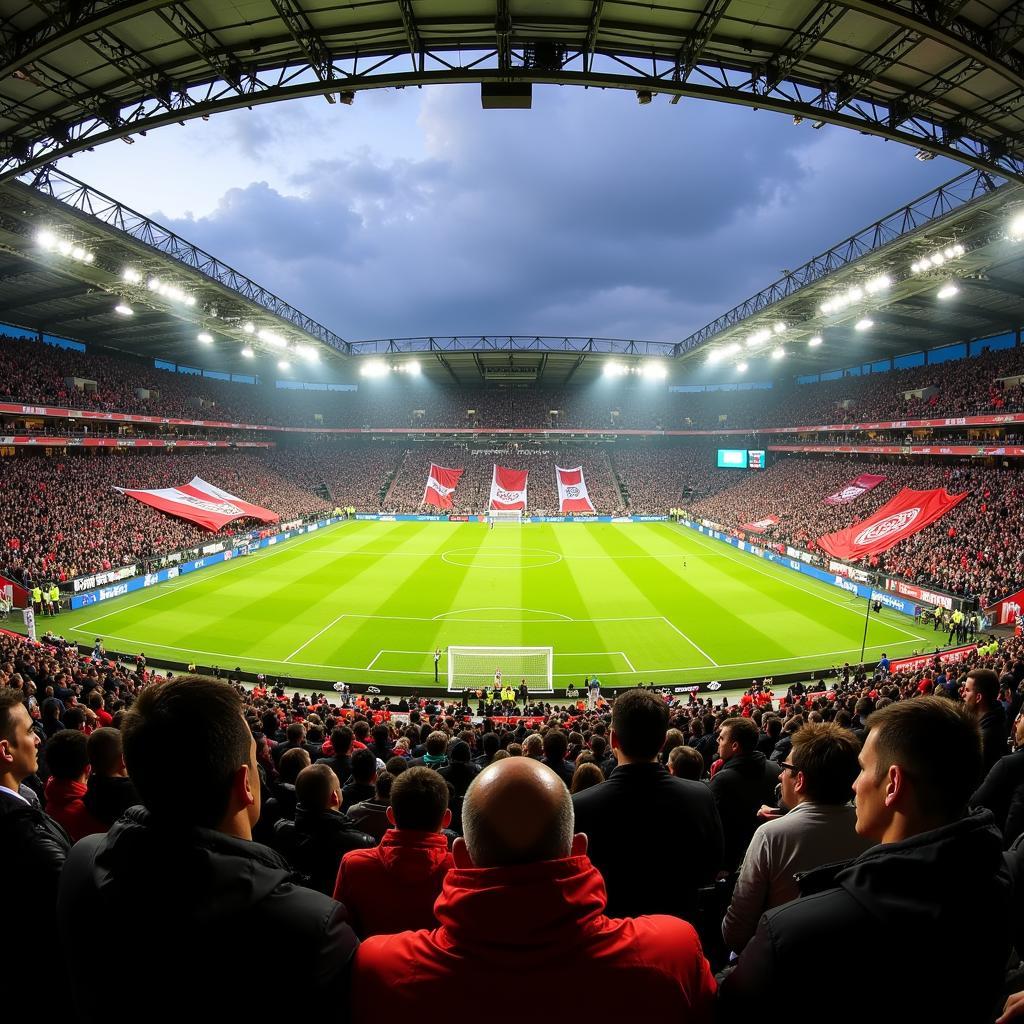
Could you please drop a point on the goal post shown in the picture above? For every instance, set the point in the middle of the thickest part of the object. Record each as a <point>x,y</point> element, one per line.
<point>470,668</point>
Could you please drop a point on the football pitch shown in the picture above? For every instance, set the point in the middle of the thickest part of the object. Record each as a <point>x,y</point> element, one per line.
<point>368,602</point>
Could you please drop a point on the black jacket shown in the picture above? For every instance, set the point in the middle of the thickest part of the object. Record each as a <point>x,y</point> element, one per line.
<point>994,733</point>
<point>898,903</point>
<point>740,787</point>
<point>315,843</point>
<point>655,839</point>
<point>340,764</point>
<point>198,903</point>
<point>33,848</point>
<point>563,769</point>
<point>108,797</point>
<point>1002,793</point>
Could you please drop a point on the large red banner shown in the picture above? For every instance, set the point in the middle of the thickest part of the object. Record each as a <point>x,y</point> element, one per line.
<point>508,488</point>
<point>1007,611</point>
<point>906,514</point>
<point>201,503</point>
<point>573,495</point>
<point>761,525</point>
<point>441,484</point>
<point>923,661</point>
<point>854,489</point>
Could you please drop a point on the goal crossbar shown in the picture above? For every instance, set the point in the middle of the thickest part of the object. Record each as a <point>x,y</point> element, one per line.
<point>476,668</point>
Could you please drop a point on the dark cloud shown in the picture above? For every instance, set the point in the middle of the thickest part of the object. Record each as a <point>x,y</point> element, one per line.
<point>588,215</point>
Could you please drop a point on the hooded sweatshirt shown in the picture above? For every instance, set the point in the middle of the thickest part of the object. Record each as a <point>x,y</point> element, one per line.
<point>393,887</point>
<point>539,924</point>
<point>195,903</point>
<point>65,804</point>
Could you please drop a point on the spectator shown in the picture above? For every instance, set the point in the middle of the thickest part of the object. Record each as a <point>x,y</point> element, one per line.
<point>686,763</point>
<point>556,744</point>
<point>320,835</point>
<point>131,881</point>
<point>1002,792</point>
<point>392,888</point>
<point>372,815</point>
<point>643,825</point>
<point>586,775</point>
<point>520,853</point>
<point>981,696</point>
<point>745,781</point>
<point>364,777</point>
<point>820,828</point>
<point>340,762</point>
<point>110,791</point>
<point>919,765</point>
<point>34,846</point>
<point>67,757</point>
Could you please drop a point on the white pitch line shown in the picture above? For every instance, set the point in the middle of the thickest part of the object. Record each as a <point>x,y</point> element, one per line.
<point>500,608</point>
<point>699,650</point>
<point>314,636</point>
<point>165,590</point>
<point>236,657</point>
<point>374,662</point>
<point>628,662</point>
<point>790,583</point>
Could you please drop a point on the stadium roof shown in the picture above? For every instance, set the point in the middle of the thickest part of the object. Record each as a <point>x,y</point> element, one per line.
<point>944,76</point>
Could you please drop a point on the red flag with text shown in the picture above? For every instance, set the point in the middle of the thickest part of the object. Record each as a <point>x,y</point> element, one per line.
<point>906,514</point>
<point>572,490</point>
<point>854,489</point>
<point>441,484</point>
<point>201,503</point>
<point>761,525</point>
<point>508,489</point>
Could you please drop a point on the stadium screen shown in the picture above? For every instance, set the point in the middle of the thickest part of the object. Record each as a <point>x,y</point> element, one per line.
<point>755,459</point>
<point>732,458</point>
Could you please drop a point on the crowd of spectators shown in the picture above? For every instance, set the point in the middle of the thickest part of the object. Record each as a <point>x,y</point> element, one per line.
<point>976,548</point>
<point>37,373</point>
<point>396,849</point>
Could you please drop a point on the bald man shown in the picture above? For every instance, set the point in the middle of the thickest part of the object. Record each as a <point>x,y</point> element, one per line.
<point>523,901</point>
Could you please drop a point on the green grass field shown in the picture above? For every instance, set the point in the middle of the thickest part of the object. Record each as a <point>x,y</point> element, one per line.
<point>368,602</point>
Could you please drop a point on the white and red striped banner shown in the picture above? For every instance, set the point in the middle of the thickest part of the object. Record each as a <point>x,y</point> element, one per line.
<point>572,490</point>
<point>854,489</point>
<point>201,503</point>
<point>441,484</point>
<point>508,489</point>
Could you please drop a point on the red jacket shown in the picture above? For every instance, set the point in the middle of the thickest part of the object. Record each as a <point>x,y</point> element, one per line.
<point>540,927</point>
<point>64,804</point>
<point>392,887</point>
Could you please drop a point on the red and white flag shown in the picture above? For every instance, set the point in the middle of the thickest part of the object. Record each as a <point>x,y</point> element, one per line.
<point>761,525</point>
<point>441,484</point>
<point>572,490</point>
<point>854,489</point>
<point>901,517</point>
<point>201,503</point>
<point>508,489</point>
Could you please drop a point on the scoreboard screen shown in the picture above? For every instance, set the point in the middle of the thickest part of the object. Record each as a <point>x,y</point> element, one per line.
<point>732,458</point>
<point>755,459</point>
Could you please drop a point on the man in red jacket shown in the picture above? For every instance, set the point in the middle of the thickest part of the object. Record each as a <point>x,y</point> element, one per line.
<point>392,887</point>
<point>524,902</point>
<point>67,757</point>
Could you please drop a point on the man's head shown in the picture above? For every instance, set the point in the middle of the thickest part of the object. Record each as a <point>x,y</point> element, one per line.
<point>341,740</point>
<point>364,767</point>
<point>317,788</point>
<point>292,762</point>
<point>981,690</point>
<point>639,724</point>
<point>736,737</point>
<point>516,811</point>
<point>195,724</point>
<point>437,744</point>
<point>686,763</point>
<point>18,742</point>
<point>419,801</point>
<point>821,766</point>
<point>556,743</point>
<point>920,763</point>
<point>533,746</point>
<point>105,752</point>
<point>67,756</point>
<point>296,733</point>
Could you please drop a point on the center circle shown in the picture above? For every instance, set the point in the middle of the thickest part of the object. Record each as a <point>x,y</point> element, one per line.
<point>501,558</point>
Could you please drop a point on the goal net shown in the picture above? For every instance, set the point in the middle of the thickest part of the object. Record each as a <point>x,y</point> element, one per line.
<point>505,515</point>
<point>471,668</point>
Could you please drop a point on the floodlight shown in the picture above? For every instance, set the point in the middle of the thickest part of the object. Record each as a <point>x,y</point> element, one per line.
<point>815,341</point>
<point>248,352</point>
<point>205,337</point>
<point>249,328</point>
<point>131,275</point>
<point>374,368</point>
<point>1016,230</point>
<point>283,364</point>
<point>153,284</point>
<point>778,353</point>
<point>655,371</point>
<point>779,328</point>
<point>413,367</point>
<point>77,252</point>
<point>864,325</point>
<point>731,350</point>
<point>614,369</point>
<point>742,367</point>
<point>713,356</point>
<point>46,239</point>
<point>123,309</point>
<point>947,291</point>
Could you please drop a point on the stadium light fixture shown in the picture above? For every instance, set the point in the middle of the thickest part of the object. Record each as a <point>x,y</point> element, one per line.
<point>815,341</point>
<point>249,328</point>
<point>658,371</point>
<point>614,369</point>
<point>46,239</point>
<point>374,368</point>
<point>864,325</point>
<point>1016,229</point>
<point>713,356</point>
<point>124,310</point>
<point>778,353</point>
<point>308,352</point>
<point>248,352</point>
<point>271,338</point>
<point>413,367</point>
<point>779,328</point>
<point>131,276</point>
<point>205,337</point>
<point>947,291</point>
<point>758,338</point>
<point>283,364</point>
<point>742,367</point>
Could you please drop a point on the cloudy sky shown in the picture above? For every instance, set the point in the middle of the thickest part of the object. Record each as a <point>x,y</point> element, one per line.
<point>415,212</point>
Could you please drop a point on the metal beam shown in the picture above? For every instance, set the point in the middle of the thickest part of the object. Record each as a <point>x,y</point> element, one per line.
<point>809,32</point>
<point>699,36</point>
<point>51,295</point>
<point>309,40</point>
<point>412,33</point>
<point>444,362</point>
<point>593,27</point>
<point>503,36</point>
<point>580,359</point>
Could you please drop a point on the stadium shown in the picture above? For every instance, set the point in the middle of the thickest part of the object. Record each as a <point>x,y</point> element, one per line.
<point>687,618</point>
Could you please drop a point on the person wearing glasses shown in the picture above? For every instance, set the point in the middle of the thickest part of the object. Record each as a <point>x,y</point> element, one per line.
<point>820,827</point>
